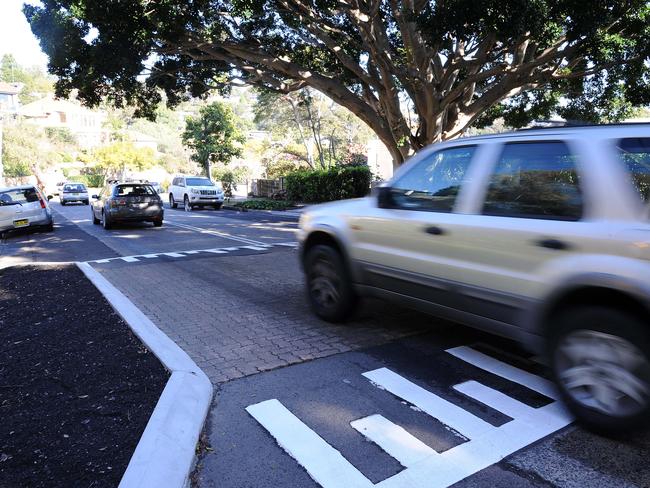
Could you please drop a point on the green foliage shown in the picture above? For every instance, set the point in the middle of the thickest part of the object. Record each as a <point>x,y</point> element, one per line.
<point>60,134</point>
<point>412,71</point>
<point>36,82</point>
<point>336,183</point>
<point>264,204</point>
<point>121,155</point>
<point>213,135</point>
<point>230,177</point>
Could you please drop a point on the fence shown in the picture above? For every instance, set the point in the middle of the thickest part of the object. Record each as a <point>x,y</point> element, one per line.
<point>266,188</point>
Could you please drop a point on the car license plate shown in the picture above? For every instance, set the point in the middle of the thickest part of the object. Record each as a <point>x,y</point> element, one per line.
<point>21,223</point>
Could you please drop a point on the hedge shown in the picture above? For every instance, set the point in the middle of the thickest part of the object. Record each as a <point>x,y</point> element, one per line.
<point>336,183</point>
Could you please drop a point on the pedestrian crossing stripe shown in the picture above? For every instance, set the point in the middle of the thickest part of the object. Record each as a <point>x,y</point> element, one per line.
<point>182,254</point>
<point>423,466</point>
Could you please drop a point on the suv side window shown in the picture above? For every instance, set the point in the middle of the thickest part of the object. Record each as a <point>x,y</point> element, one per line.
<point>433,184</point>
<point>535,180</point>
<point>635,154</point>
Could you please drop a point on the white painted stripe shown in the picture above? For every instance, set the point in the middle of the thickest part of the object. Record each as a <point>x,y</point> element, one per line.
<point>129,259</point>
<point>446,412</point>
<point>393,439</point>
<point>231,248</point>
<point>103,261</point>
<point>215,251</point>
<point>149,256</point>
<point>324,464</point>
<point>254,248</point>
<point>216,233</point>
<point>174,254</point>
<point>494,399</point>
<point>516,375</point>
<point>287,244</point>
<point>191,252</point>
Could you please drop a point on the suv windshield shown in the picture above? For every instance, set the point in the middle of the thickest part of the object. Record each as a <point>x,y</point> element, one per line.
<point>18,196</point>
<point>74,188</point>
<point>635,154</point>
<point>198,182</point>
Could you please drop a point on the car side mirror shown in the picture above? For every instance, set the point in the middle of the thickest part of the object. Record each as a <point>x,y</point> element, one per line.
<point>49,197</point>
<point>385,197</point>
<point>95,197</point>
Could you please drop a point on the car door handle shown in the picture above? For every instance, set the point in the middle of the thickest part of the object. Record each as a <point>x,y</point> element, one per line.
<point>434,230</point>
<point>553,244</point>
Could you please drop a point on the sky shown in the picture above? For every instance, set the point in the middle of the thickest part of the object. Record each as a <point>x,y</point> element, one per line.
<point>16,37</point>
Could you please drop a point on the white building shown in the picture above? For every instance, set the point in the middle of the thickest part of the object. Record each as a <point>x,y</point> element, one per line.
<point>84,124</point>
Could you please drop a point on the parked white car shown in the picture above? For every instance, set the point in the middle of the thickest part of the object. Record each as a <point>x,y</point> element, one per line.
<point>542,236</point>
<point>74,192</point>
<point>195,191</point>
<point>23,207</point>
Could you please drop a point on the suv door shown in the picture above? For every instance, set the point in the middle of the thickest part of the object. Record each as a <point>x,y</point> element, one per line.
<point>409,247</point>
<point>179,190</point>
<point>531,207</point>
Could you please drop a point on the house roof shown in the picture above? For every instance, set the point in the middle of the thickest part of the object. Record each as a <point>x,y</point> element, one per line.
<point>11,88</point>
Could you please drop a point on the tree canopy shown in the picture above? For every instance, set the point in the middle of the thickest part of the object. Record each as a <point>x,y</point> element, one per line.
<point>415,71</point>
<point>213,136</point>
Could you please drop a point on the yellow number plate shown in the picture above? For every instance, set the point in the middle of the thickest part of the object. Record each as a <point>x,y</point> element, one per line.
<point>21,223</point>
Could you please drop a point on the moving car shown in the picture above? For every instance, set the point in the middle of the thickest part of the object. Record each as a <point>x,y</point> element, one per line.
<point>542,236</point>
<point>73,192</point>
<point>24,207</point>
<point>127,202</point>
<point>195,191</point>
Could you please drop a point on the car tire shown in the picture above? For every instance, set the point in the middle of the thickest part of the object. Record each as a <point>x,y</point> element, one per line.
<point>600,359</point>
<point>62,203</point>
<point>172,202</point>
<point>218,206</point>
<point>157,223</point>
<point>106,223</point>
<point>86,202</point>
<point>329,288</point>
<point>49,227</point>
<point>186,204</point>
<point>96,221</point>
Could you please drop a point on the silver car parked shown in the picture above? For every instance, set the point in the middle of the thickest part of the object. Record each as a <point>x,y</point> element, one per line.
<point>24,207</point>
<point>74,192</point>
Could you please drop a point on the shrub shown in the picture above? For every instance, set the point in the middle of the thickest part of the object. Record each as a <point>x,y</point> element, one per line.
<point>336,183</point>
<point>263,204</point>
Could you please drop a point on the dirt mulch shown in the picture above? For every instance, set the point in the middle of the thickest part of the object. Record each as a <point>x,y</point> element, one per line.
<point>77,388</point>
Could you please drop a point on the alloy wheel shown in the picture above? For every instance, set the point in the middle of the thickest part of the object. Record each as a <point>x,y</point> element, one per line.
<point>604,372</point>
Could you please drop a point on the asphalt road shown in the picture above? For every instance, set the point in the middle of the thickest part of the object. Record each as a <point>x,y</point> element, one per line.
<point>388,399</point>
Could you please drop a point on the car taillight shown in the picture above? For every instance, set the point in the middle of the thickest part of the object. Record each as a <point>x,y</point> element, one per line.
<point>117,203</point>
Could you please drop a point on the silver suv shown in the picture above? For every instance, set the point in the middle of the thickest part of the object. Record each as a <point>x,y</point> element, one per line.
<point>542,236</point>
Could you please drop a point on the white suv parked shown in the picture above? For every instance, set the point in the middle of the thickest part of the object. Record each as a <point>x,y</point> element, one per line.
<point>542,236</point>
<point>195,191</point>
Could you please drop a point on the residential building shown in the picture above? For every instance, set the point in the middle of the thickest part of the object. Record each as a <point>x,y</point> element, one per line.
<point>9,102</point>
<point>84,124</point>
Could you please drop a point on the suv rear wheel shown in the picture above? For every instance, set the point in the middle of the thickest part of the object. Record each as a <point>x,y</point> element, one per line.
<point>172,202</point>
<point>329,287</point>
<point>601,361</point>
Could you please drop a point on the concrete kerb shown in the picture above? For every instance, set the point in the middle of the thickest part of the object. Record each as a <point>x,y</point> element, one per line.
<point>165,454</point>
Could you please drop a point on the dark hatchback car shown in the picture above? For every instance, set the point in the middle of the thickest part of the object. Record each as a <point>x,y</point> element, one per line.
<point>127,202</point>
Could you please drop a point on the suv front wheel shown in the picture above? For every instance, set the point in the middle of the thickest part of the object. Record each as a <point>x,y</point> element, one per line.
<point>601,361</point>
<point>329,287</point>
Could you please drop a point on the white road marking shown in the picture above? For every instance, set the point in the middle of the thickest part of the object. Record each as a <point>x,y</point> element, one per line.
<point>325,464</point>
<point>216,233</point>
<point>183,254</point>
<point>130,259</point>
<point>494,366</point>
<point>393,439</point>
<point>446,412</point>
<point>424,467</point>
<point>174,255</point>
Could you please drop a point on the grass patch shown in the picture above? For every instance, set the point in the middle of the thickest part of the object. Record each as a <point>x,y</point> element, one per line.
<point>264,204</point>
